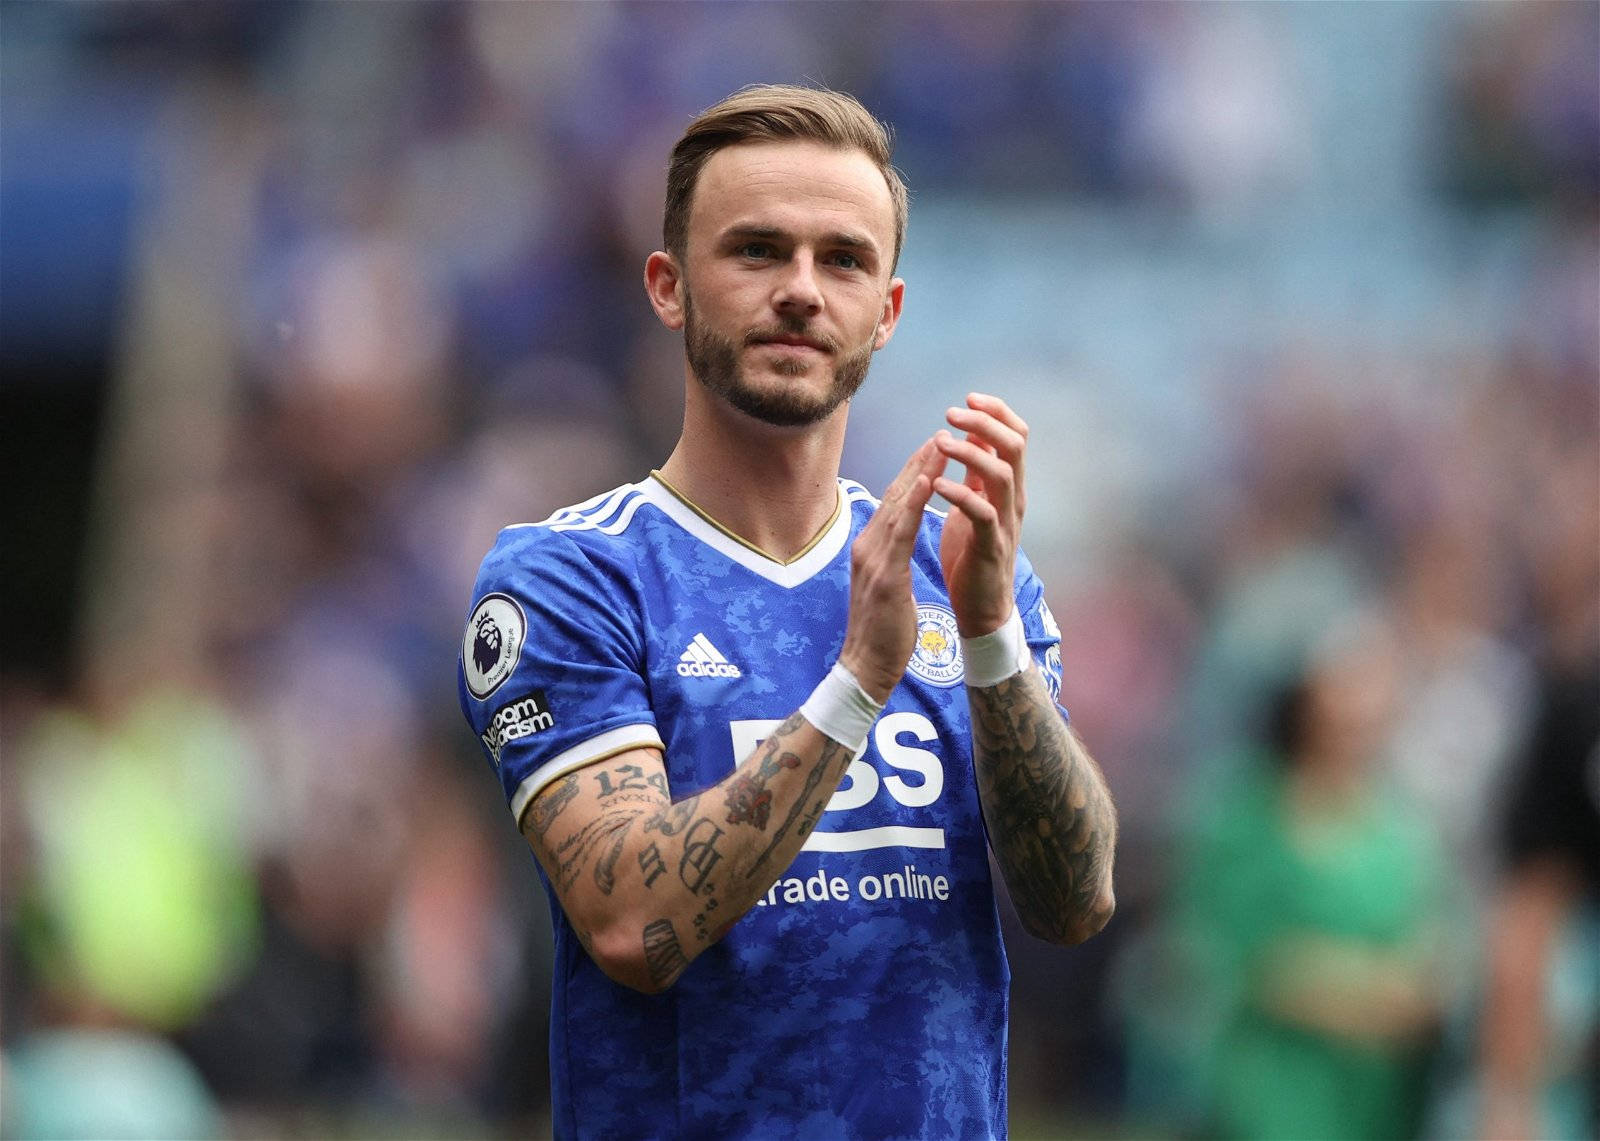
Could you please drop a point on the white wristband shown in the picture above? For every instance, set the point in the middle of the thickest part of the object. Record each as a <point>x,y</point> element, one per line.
<point>840,708</point>
<point>992,658</point>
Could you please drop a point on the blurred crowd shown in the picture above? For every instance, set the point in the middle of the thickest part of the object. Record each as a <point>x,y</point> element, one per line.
<point>376,294</point>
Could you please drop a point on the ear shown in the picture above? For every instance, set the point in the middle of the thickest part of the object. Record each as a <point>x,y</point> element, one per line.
<point>663,282</point>
<point>891,313</point>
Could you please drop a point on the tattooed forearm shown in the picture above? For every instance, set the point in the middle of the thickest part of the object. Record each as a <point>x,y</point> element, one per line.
<point>700,855</point>
<point>600,836</point>
<point>828,767</point>
<point>749,798</point>
<point>636,872</point>
<point>663,954</point>
<point>1050,818</point>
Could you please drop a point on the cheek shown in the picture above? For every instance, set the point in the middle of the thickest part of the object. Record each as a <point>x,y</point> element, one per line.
<point>729,296</point>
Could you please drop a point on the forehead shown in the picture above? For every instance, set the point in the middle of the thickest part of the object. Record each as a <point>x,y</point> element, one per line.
<point>798,186</point>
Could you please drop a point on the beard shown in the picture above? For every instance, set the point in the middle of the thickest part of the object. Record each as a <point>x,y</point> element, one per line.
<point>714,360</point>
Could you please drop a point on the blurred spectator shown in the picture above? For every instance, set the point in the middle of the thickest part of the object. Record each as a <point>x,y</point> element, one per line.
<point>68,1084</point>
<point>1540,1046</point>
<point>1279,553</point>
<point>138,912</point>
<point>1308,919</point>
<point>1541,1033</point>
<point>1524,106</point>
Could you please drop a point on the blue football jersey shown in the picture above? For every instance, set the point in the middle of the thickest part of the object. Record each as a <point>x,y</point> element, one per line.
<point>866,994</point>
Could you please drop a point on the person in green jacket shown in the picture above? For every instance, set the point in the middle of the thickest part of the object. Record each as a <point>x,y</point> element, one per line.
<point>1311,908</point>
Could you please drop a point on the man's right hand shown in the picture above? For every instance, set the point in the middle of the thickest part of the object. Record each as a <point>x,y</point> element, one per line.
<point>882,628</point>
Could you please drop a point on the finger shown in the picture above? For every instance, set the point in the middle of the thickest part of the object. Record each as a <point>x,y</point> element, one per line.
<point>885,545</point>
<point>896,491</point>
<point>1005,440</point>
<point>987,472</point>
<point>982,514</point>
<point>1006,433</point>
<point>900,513</point>
<point>916,465</point>
<point>1000,410</point>
<point>908,514</point>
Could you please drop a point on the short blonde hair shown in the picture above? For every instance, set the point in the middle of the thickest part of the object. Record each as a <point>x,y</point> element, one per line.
<point>768,113</point>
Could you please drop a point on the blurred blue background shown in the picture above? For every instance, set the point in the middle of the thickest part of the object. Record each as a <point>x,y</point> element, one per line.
<point>300,303</point>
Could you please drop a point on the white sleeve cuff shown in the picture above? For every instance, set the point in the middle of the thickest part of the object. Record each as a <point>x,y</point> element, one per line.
<point>607,744</point>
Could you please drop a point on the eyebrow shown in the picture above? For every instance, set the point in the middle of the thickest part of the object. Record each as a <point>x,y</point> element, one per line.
<point>841,238</point>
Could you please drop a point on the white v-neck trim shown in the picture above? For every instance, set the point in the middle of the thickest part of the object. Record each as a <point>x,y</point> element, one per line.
<point>822,552</point>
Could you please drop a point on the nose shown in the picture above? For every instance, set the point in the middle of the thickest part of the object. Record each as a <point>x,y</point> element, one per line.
<point>797,291</point>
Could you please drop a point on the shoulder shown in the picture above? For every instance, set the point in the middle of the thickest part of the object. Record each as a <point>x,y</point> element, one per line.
<point>573,540</point>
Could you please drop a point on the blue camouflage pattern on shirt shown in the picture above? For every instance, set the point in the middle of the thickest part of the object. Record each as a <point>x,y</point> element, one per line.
<point>879,1015</point>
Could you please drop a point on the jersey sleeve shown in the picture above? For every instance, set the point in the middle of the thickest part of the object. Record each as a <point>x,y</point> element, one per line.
<point>1044,636</point>
<point>551,673</point>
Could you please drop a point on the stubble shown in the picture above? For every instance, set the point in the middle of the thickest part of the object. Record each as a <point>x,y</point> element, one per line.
<point>714,360</point>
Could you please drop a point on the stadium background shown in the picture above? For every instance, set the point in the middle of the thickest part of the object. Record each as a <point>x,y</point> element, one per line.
<point>301,302</point>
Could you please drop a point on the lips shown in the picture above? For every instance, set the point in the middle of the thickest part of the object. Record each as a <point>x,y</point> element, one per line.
<point>791,340</point>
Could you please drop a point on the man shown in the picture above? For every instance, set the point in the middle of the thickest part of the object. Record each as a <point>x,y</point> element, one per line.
<point>759,773</point>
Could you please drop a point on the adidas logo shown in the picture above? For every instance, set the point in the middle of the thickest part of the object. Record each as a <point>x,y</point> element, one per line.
<point>702,659</point>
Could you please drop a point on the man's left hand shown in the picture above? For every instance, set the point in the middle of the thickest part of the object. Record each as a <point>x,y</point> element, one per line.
<point>979,548</point>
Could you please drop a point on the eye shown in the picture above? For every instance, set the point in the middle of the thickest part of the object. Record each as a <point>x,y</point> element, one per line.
<point>755,250</point>
<point>846,261</point>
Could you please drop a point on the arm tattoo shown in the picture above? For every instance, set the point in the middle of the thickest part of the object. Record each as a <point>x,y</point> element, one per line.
<point>1050,820</point>
<point>700,855</point>
<point>651,865</point>
<point>663,954</point>
<point>547,807</point>
<point>628,820</point>
<point>827,760</point>
<point>625,778</point>
<point>673,818</point>
<point>749,798</point>
<point>602,835</point>
<point>605,871</point>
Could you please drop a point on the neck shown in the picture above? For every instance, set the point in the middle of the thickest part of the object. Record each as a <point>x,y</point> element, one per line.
<point>775,488</point>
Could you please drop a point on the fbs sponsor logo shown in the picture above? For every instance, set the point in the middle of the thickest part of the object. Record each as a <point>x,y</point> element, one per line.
<point>702,659</point>
<point>516,720</point>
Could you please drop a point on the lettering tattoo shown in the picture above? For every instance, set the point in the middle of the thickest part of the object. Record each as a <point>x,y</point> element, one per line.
<point>700,855</point>
<point>1050,819</point>
<point>602,835</point>
<point>663,954</point>
<point>651,865</point>
<point>749,798</point>
<point>630,778</point>
<point>813,814</point>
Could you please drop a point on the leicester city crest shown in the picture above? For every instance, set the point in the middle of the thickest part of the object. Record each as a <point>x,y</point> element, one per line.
<point>492,643</point>
<point>936,657</point>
